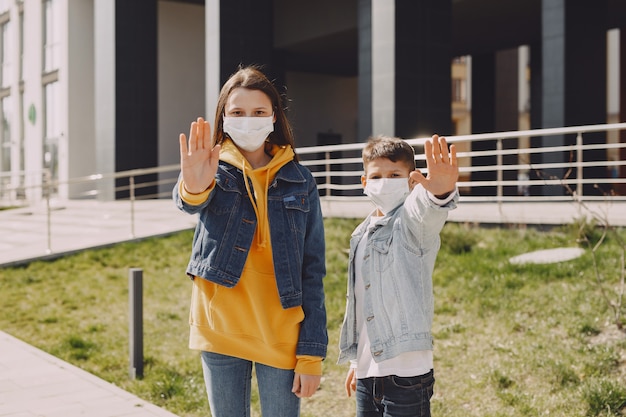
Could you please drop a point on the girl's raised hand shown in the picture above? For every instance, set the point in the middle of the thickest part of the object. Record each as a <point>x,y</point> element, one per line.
<point>198,159</point>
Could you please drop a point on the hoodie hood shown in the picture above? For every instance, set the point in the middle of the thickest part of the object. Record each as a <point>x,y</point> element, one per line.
<point>261,178</point>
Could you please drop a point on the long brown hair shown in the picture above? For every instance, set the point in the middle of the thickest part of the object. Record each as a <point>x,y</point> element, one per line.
<point>253,78</point>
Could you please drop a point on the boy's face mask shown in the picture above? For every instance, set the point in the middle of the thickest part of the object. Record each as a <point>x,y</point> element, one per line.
<point>248,133</point>
<point>387,193</point>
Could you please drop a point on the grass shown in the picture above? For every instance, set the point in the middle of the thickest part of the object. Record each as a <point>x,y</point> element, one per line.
<point>522,340</point>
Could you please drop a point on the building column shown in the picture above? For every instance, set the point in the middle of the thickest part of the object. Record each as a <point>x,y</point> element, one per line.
<point>423,80</point>
<point>483,117</point>
<point>495,108</point>
<point>104,102</point>
<point>507,109</point>
<point>573,37</point>
<point>404,68</point>
<point>81,101</point>
<point>536,79</point>
<point>33,99</point>
<point>621,188</point>
<point>212,57</point>
<point>136,95</point>
<point>246,38</point>
<point>383,67</point>
<point>365,85</point>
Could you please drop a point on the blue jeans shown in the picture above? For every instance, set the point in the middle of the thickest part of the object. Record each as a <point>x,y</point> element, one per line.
<point>394,396</point>
<point>228,383</point>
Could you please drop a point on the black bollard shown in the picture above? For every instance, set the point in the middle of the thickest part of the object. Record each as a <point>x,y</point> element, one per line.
<point>135,299</point>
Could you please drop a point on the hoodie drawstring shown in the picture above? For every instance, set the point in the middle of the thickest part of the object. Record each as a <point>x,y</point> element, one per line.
<point>263,225</point>
<point>281,155</point>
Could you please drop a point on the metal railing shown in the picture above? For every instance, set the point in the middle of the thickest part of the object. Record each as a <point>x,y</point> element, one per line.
<point>494,167</point>
<point>129,186</point>
<point>578,168</point>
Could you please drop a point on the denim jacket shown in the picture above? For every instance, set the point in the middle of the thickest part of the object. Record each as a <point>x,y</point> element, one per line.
<point>224,233</point>
<point>397,273</point>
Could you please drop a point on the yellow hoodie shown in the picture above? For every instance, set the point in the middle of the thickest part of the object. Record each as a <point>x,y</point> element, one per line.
<point>248,321</point>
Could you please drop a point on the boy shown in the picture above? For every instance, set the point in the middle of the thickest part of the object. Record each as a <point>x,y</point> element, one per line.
<point>386,333</point>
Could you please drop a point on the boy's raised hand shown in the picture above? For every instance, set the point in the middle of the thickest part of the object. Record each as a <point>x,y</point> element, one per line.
<point>442,165</point>
<point>198,159</point>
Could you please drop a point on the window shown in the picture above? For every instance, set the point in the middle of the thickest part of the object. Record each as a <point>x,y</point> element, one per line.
<point>22,156</point>
<point>5,132</point>
<point>51,36</point>
<point>459,90</point>
<point>51,140</point>
<point>5,55</point>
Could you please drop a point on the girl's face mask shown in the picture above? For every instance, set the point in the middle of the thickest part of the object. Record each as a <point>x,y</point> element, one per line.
<point>248,133</point>
<point>387,193</point>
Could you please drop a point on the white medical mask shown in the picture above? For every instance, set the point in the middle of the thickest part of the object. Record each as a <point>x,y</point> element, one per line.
<point>387,193</point>
<point>248,133</point>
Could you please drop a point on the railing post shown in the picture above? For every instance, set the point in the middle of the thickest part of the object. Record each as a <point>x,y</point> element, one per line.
<point>328,176</point>
<point>135,328</point>
<point>579,166</point>
<point>132,205</point>
<point>47,187</point>
<point>499,175</point>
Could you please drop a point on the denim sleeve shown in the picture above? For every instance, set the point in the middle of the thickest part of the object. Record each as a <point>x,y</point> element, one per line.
<point>313,338</point>
<point>424,217</point>
<point>182,204</point>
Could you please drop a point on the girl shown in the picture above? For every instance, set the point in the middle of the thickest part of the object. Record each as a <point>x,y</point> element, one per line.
<point>257,260</point>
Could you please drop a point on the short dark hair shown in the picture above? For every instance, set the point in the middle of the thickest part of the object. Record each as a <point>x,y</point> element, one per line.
<point>394,149</point>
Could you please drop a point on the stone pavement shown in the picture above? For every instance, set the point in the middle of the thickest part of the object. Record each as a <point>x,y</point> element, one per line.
<point>28,233</point>
<point>34,383</point>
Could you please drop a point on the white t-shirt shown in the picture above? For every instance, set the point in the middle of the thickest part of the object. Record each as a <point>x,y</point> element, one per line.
<point>412,363</point>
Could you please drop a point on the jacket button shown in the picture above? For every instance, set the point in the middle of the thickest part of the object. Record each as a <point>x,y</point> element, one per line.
<point>370,318</point>
<point>367,286</point>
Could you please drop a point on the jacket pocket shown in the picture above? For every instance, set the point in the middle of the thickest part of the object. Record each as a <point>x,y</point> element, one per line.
<point>383,257</point>
<point>226,198</point>
<point>297,208</point>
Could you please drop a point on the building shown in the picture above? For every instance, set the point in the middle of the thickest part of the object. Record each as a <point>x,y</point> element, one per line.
<point>103,86</point>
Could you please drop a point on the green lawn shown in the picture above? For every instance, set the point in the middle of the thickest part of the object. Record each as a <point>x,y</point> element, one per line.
<point>510,340</point>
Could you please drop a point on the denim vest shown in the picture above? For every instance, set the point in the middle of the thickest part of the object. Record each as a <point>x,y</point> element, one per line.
<point>226,226</point>
<point>397,273</point>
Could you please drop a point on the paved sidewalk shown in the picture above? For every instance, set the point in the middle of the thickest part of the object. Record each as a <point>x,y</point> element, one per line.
<point>34,383</point>
<point>80,224</point>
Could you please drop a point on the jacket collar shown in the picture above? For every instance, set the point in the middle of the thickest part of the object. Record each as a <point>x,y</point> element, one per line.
<point>289,172</point>
<point>389,217</point>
